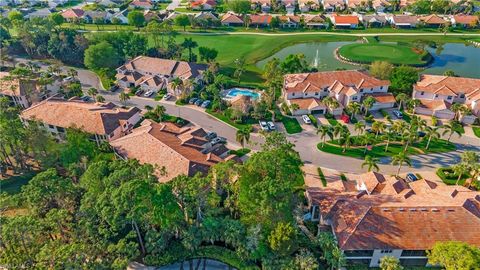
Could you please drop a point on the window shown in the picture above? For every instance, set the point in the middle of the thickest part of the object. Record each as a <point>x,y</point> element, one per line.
<point>51,126</point>
<point>358,253</point>
<point>422,93</point>
<point>381,87</point>
<point>60,129</point>
<point>361,90</point>
<point>386,251</point>
<point>354,98</point>
<point>436,95</point>
<point>462,96</point>
<point>414,253</point>
<point>316,93</point>
<point>293,94</point>
<point>449,97</point>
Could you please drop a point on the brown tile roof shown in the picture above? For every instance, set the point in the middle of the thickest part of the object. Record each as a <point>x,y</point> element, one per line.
<point>345,19</point>
<point>314,82</point>
<point>466,19</point>
<point>397,214</point>
<point>141,3</point>
<point>164,145</point>
<point>383,97</point>
<point>433,19</point>
<point>289,18</point>
<point>11,86</point>
<point>94,118</point>
<point>260,19</point>
<point>231,18</point>
<point>435,105</point>
<point>310,19</point>
<point>447,85</point>
<point>307,103</point>
<point>405,19</point>
<point>184,70</point>
<point>72,13</point>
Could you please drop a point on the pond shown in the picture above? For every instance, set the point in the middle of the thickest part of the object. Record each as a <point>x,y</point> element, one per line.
<point>460,58</point>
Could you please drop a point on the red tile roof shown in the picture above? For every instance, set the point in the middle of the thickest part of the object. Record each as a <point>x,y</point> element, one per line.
<point>231,18</point>
<point>447,85</point>
<point>466,19</point>
<point>72,13</point>
<point>345,19</point>
<point>260,19</point>
<point>433,19</point>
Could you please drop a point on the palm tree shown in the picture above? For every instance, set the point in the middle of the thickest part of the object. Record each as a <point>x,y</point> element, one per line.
<point>456,108</point>
<point>92,92</point>
<point>453,127</point>
<point>243,135</point>
<point>366,140</point>
<point>159,112</point>
<point>359,127</point>
<point>176,83</point>
<point>100,99</point>
<point>72,73</point>
<point>345,140</point>
<point>371,163</point>
<point>331,103</point>
<point>400,159</point>
<point>368,103</point>
<point>388,136</point>
<point>431,132</point>
<point>413,103</point>
<point>354,108</point>
<point>460,169</point>
<point>338,129</point>
<point>401,99</point>
<point>324,131</point>
<point>378,127</point>
<point>189,44</point>
<point>124,97</point>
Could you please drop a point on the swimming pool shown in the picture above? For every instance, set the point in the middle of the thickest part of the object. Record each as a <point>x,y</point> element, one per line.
<point>231,93</point>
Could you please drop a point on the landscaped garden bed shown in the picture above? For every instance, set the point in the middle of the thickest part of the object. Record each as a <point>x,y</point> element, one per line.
<point>449,177</point>
<point>378,149</point>
<point>366,53</point>
<point>291,125</point>
<point>476,131</point>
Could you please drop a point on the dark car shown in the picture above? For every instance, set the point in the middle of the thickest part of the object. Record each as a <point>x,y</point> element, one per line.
<point>198,102</point>
<point>211,136</point>
<point>114,88</point>
<point>192,100</point>
<point>411,177</point>
<point>139,93</point>
<point>421,134</point>
<point>218,140</point>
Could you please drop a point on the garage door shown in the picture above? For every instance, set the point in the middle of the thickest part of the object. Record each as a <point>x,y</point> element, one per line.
<point>321,111</point>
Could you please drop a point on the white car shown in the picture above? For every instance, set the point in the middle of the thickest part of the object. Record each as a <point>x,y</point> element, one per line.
<point>148,94</point>
<point>167,96</point>
<point>306,119</point>
<point>271,126</point>
<point>263,125</point>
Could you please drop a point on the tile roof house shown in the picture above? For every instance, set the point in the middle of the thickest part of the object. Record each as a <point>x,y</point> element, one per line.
<point>345,21</point>
<point>289,21</point>
<point>307,5</point>
<point>433,20</point>
<point>141,4</point>
<point>315,21</point>
<point>438,92</point>
<point>381,5</point>
<point>374,20</point>
<point>205,15</point>
<point>203,4</point>
<point>374,215</point>
<point>403,21</point>
<point>264,5</point>
<point>260,20</point>
<point>24,93</point>
<point>466,21</point>
<point>172,150</point>
<point>154,74</point>
<point>231,19</point>
<point>333,5</point>
<point>105,121</point>
<point>72,14</point>
<point>345,86</point>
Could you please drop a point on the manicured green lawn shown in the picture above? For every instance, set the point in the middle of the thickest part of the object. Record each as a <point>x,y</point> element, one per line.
<point>331,119</point>
<point>369,52</point>
<point>291,125</point>
<point>14,184</point>
<point>220,116</point>
<point>438,146</point>
<point>476,131</point>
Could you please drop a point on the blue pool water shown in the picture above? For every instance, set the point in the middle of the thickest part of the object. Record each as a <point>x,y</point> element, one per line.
<point>243,92</point>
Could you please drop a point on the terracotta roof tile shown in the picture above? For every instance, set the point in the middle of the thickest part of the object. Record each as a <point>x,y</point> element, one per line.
<point>446,84</point>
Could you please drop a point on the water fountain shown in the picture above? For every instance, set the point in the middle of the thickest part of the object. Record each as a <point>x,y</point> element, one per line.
<point>315,60</point>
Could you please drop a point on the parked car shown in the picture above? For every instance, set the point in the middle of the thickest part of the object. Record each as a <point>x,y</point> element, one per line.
<point>192,100</point>
<point>86,98</point>
<point>210,136</point>
<point>271,126</point>
<point>306,119</point>
<point>398,114</point>
<point>411,177</point>
<point>421,134</point>
<point>114,88</point>
<point>139,92</point>
<point>199,102</point>
<point>148,94</point>
<point>218,140</point>
<point>206,103</point>
<point>167,96</point>
<point>263,125</point>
